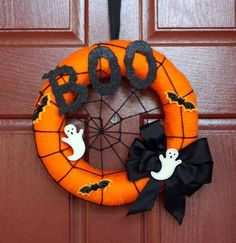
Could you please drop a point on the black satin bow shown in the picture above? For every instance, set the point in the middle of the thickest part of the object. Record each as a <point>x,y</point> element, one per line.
<point>194,171</point>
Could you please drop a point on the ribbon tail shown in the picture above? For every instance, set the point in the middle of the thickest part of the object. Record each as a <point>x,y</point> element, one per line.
<point>175,201</point>
<point>146,198</point>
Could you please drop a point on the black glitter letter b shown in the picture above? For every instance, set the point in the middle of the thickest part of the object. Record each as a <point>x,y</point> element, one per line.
<point>71,86</point>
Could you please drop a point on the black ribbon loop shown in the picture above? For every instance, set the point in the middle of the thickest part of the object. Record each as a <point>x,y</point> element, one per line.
<point>194,171</point>
<point>114,7</point>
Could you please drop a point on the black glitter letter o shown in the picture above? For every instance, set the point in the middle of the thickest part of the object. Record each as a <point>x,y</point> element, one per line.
<point>145,49</point>
<point>115,78</point>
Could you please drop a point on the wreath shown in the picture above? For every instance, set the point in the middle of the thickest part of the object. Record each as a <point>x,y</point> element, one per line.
<point>166,157</point>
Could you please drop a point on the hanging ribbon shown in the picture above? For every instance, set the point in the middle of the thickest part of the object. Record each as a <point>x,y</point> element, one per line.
<point>114,17</point>
<point>194,171</point>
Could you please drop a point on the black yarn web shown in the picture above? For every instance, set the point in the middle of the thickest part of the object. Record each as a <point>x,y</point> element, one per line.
<point>104,136</point>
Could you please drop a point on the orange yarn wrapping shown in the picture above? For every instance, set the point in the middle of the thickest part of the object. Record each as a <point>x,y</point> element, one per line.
<point>178,123</point>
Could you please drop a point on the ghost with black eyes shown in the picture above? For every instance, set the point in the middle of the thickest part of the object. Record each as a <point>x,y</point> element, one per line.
<point>168,165</point>
<point>75,140</point>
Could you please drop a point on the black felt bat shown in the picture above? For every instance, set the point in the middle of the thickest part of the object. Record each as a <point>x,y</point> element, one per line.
<point>94,187</point>
<point>173,97</point>
<point>40,107</point>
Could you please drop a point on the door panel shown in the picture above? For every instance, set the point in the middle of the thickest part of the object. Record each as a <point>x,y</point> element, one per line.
<point>32,207</point>
<point>35,16</point>
<point>195,14</point>
<point>189,22</point>
<point>198,36</point>
<point>43,23</point>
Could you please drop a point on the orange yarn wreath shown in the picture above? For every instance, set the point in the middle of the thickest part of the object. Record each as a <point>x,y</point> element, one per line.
<point>111,187</point>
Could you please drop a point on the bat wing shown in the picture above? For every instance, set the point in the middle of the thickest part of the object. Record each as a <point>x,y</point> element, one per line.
<point>85,189</point>
<point>189,106</point>
<point>40,107</point>
<point>172,96</point>
<point>35,115</point>
<point>104,183</point>
<point>44,100</point>
<point>37,111</point>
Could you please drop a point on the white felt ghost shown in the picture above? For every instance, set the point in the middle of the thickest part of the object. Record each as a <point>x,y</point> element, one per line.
<point>75,140</point>
<point>168,165</point>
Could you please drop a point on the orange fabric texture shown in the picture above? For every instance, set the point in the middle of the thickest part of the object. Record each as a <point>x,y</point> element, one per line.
<point>181,126</point>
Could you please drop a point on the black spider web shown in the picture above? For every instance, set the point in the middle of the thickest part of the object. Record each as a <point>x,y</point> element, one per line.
<point>99,131</point>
